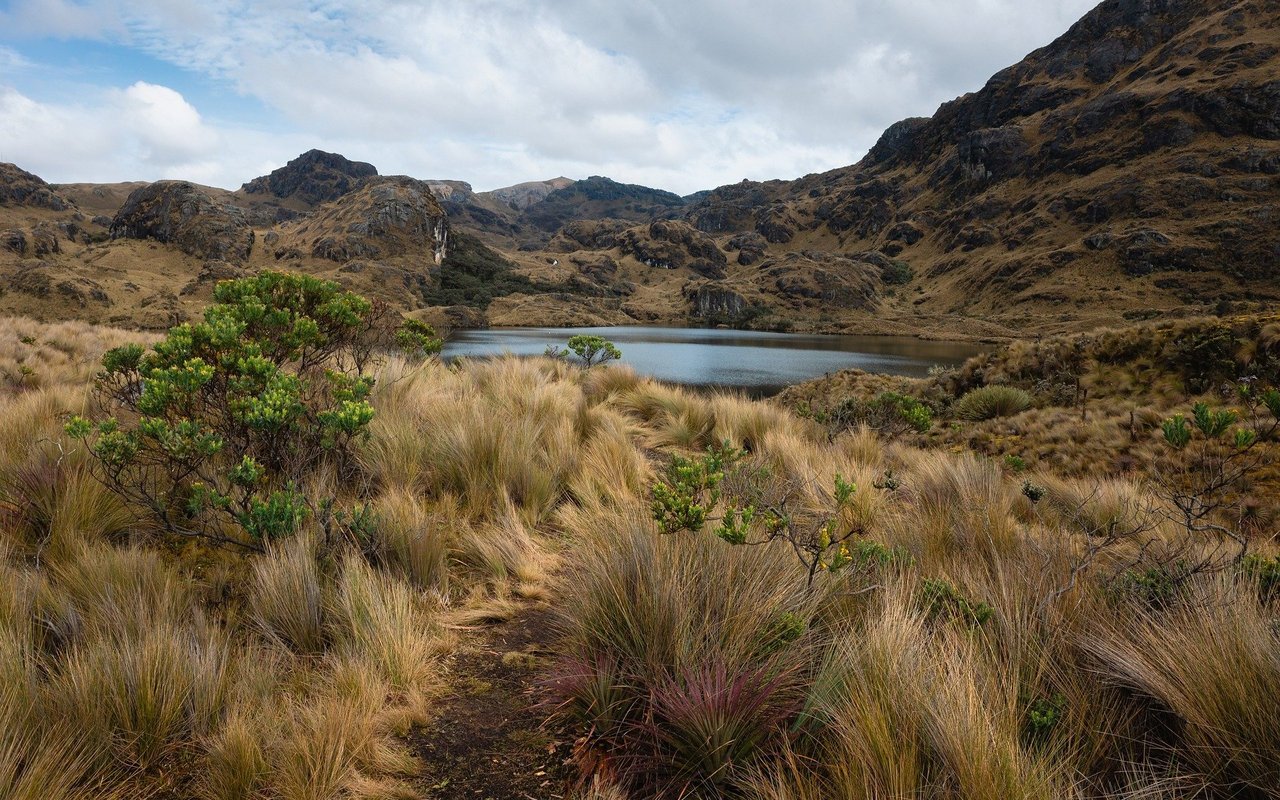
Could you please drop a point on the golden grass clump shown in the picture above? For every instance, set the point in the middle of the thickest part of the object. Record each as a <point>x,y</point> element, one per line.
<point>287,597</point>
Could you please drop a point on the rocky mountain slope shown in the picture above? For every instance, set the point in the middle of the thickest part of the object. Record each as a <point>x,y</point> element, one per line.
<point>1127,170</point>
<point>1131,166</point>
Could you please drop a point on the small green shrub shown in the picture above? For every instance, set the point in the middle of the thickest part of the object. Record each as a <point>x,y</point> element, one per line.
<point>752,510</point>
<point>1015,463</point>
<point>941,600</point>
<point>1153,587</point>
<point>593,349</point>
<point>889,412</point>
<point>866,554</point>
<point>227,420</point>
<point>897,273</point>
<point>1043,715</point>
<point>1263,572</point>
<point>990,402</point>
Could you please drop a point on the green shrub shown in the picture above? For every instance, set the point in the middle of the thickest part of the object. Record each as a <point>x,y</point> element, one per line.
<point>989,402</point>
<point>1264,572</point>
<point>866,554</point>
<point>418,339</point>
<point>228,420</point>
<point>942,600</point>
<point>1153,587</point>
<point>889,412</point>
<point>593,349</point>
<point>1043,715</point>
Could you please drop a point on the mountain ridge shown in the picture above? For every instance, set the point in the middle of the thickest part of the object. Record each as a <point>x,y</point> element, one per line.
<point>1130,168</point>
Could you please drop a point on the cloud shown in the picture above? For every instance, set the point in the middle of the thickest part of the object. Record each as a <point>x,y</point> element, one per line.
<point>686,94</point>
<point>142,132</point>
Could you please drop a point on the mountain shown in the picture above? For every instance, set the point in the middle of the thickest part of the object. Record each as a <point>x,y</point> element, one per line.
<point>523,195</point>
<point>1128,168</point>
<point>313,177</point>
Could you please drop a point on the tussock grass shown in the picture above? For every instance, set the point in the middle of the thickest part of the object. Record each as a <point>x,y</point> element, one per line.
<point>142,697</point>
<point>1216,670</point>
<point>411,540</point>
<point>132,665</point>
<point>382,620</point>
<point>286,597</point>
<point>989,402</point>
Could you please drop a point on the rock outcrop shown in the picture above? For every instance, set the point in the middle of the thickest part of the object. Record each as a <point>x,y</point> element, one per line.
<point>387,217</point>
<point>20,188</point>
<point>313,177</point>
<point>709,301</point>
<point>664,244</point>
<point>179,213</point>
<point>829,280</point>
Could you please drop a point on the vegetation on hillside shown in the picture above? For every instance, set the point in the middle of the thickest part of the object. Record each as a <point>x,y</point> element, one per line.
<point>750,603</point>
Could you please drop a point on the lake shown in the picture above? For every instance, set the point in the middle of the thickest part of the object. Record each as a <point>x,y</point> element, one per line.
<point>760,363</point>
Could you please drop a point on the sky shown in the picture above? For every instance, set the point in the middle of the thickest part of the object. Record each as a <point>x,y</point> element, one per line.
<point>676,94</point>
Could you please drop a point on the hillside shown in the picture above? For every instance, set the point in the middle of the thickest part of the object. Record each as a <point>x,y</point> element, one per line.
<point>1130,167</point>
<point>1127,170</point>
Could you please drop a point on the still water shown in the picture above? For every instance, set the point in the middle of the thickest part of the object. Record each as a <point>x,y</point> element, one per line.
<point>760,363</point>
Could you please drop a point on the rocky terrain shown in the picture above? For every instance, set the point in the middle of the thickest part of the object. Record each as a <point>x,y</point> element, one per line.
<point>1127,170</point>
<point>1130,167</point>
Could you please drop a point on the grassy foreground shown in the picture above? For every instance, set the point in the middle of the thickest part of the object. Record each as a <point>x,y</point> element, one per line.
<point>978,644</point>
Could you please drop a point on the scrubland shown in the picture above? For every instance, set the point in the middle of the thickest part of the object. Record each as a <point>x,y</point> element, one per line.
<point>994,633</point>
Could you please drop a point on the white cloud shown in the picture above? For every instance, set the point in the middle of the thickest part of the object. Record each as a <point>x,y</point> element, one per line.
<point>684,94</point>
<point>143,132</point>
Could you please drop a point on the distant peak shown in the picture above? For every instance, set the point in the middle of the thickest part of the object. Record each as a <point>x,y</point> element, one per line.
<point>316,176</point>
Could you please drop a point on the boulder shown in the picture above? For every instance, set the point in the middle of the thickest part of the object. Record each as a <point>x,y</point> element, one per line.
<point>14,240</point>
<point>44,240</point>
<point>751,247</point>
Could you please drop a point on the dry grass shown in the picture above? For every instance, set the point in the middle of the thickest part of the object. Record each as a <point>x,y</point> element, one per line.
<point>133,665</point>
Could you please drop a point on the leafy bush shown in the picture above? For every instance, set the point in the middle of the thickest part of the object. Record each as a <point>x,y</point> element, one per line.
<point>941,599</point>
<point>230,420</point>
<point>889,412</point>
<point>756,510</point>
<point>593,349</point>
<point>989,402</point>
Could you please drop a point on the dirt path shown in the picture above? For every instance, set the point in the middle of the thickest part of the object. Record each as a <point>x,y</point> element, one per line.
<point>485,741</point>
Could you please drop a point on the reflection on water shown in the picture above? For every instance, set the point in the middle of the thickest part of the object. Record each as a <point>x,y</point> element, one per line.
<point>760,363</point>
